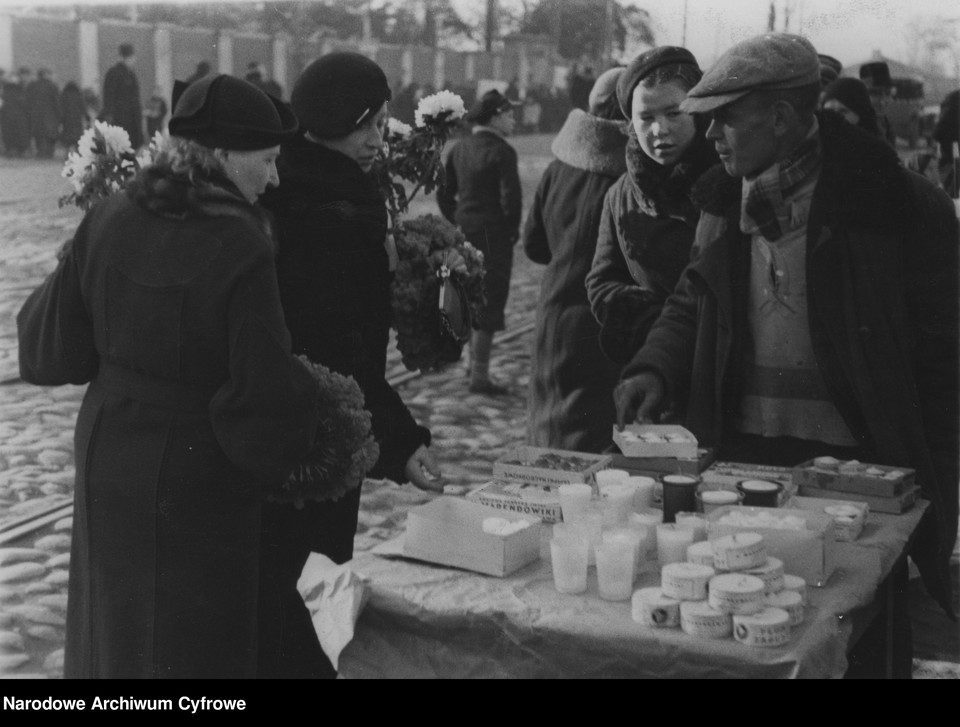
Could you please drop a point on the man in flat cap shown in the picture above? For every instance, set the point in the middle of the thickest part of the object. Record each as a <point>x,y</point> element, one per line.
<point>819,315</point>
<point>121,96</point>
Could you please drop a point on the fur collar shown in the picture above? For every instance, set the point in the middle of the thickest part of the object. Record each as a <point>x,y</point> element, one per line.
<point>862,180</point>
<point>181,185</point>
<point>592,144</point>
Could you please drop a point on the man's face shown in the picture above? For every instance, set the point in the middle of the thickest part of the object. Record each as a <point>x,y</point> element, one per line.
<point>743,133</point>
<point>879,96</point>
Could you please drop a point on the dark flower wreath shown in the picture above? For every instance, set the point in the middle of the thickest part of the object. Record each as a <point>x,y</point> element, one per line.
<point>423,245</point>
<point>345,449</point>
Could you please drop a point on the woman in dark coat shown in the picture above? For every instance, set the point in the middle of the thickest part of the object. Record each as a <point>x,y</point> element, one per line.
<point>849,98</point>
<point>74,110</point>
<point>482,195</point>
<point>648,221</point>
<point>335,280</point>
<point>166,303</point>
<point>569,405</point>
<point>43,103</point>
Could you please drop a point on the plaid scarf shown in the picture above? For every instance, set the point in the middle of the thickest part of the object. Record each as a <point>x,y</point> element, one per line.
<point>764,196</point>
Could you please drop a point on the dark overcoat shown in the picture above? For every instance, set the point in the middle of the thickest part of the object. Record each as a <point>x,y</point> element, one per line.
<point>43,100</point>
<point>195,405</point>
<point>15,119</point>
<point>643,244</point>
<point>121,102</point>
<point>482,195</point>
<point>570,403</point>
<point>882,284</point>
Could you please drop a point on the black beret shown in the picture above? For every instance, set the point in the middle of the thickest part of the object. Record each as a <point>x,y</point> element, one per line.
<point>643,65</point>
<point>489,105</point>
<point>769,62</point>
<point>224,112</point>
<point>337,92</point>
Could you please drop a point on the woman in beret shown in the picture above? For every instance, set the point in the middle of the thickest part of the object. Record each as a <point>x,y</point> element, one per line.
<point>166,304</point>
<point>649,218</point>
<point>335,275</point>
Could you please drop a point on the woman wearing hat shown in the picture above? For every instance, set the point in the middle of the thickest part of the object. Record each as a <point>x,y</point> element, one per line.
<point>166,303</point>
<point>649,219</point>
<point>482,195</point>
<point>849,98</point>
<point>569,404</point>
<point>334,273</point>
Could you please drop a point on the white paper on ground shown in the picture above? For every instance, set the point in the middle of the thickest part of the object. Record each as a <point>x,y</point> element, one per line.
<point>335,595</point>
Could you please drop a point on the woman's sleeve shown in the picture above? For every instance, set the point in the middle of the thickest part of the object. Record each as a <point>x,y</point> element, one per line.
<point>511,192</point>
<point>395,430</point>
<point>535,243</point>
<point>54,330</point>
<point>447,192</point>
<point>265,415</point>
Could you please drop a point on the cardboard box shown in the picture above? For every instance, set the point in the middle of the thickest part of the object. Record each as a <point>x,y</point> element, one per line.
<point>631,442</point>
<point>847,529</point>
<point>549,466</point>
<point>890,505</point>
<point>449,531</point>
<point>523,498</point>
<point>655,466</point>
<point>883,481</point>
<point>726,475</point>
<point>808,553</point>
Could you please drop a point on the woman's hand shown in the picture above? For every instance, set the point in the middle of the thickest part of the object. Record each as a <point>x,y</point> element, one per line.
<point>424,472</point>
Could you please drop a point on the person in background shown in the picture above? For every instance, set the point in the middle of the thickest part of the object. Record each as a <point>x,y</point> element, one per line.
<point>569,405</point>
<point>155,113</point>
<point>43,104</point>
<point>203,69</point>
<point>121,96</point>
<point>15,115</point>
<point>649,217</point>
<point>258,76</point>
<point>947,135</point>
<point>830,69</point>
<point>166,304</point>
<point>333,269</point>
<point>482,195</point>
<point>876,77</point>
<point>820,314</point>
<point>849,98</point>
<point>74,115</point>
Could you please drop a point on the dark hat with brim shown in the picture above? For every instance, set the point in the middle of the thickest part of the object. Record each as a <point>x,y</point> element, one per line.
<point>769,62</point>
<point>489,105</point>
<point>224,112</point>
<point>645,64</point>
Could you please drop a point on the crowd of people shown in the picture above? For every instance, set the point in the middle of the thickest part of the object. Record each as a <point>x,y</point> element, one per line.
<point>738,249</point>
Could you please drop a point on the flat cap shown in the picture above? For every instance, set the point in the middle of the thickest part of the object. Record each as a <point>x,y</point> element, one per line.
<point>769,62</point>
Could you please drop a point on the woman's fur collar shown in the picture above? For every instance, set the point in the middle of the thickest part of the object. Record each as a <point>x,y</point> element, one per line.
<point>592,144</point>
<point>187,179</point>
<point>862,179</point>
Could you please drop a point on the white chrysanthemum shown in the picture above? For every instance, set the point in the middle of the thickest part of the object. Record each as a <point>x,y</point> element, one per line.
<point>433,106</point>
<point>115,138</point>
<point>395,127</point>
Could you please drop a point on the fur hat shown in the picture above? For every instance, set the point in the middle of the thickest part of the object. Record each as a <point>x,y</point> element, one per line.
<point>224,112</point>
<point>337,92</point>
<point>643,65</point>
<point>769,62</point>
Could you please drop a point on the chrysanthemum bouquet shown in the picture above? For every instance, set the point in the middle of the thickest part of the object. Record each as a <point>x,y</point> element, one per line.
<point>345,450</point>
<point>103,163</point>
<point>439,275</point>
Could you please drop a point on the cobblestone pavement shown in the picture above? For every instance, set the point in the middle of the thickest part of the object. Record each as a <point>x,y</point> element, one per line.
<point>36,427</point>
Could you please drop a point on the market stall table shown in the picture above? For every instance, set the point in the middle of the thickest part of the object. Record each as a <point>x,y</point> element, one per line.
<point>384,616</point>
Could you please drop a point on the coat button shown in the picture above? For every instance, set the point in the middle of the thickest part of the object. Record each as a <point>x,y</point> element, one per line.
<point>865,331</point>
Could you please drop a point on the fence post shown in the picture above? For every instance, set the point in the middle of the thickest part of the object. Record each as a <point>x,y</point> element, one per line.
<point>163,59</point>
<point>89,45</point>
<point>224,52</point>
<point>279,74</point>
<point>6,41</point>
